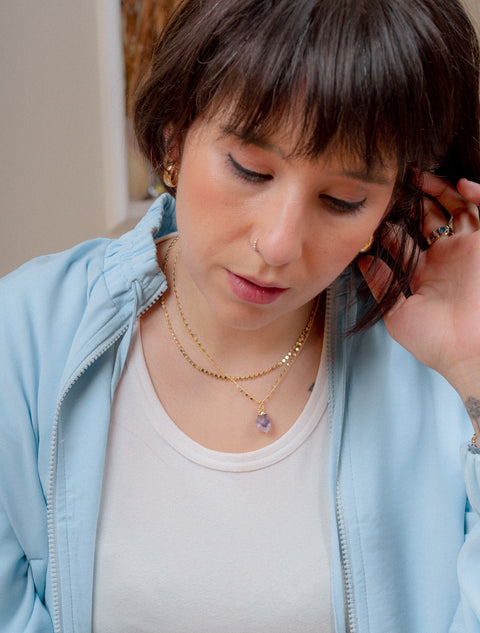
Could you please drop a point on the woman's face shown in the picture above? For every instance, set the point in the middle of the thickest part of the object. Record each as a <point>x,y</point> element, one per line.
<point>309,219</point>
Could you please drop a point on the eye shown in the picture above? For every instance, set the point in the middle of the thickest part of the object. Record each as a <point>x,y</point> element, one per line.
<point>247,174</point>
<point>342,206</point>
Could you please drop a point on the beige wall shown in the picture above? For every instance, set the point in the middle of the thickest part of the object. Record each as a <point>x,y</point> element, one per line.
<point>61,154</point>
<point>473,7</point>
<point>55,179</point>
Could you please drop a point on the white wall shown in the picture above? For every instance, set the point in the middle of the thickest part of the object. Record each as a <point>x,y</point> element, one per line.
<point>58,103</point>
<point>62,165</point>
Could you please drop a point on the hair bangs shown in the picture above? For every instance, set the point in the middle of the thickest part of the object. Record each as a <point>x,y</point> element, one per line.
<point>347,83</point>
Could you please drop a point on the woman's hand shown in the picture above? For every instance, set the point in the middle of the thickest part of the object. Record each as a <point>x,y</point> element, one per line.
<point>440,322</point>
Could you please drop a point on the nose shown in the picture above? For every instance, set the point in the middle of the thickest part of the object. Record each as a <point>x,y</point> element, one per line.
<point>282,233</point>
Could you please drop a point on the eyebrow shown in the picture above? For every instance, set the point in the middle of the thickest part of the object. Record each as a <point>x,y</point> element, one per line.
<point>372,176</point>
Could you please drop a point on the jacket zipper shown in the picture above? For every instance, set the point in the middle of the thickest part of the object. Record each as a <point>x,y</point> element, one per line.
<point>347,581</point>
<point>52,545</point>
<point>56,592</point>
<point>350,622</point>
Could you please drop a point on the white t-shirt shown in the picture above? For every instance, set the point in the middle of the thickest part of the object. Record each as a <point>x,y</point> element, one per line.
<point>192,540</point>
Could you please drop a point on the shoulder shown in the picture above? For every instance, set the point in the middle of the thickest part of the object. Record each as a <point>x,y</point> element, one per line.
<point>61,306</point>
<point>42,304</point>
<point>46,293</point>
<point>50,293</point>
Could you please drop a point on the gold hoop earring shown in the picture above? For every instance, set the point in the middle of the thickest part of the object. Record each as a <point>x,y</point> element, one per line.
<point>368,245</point>
<point>170,173</point>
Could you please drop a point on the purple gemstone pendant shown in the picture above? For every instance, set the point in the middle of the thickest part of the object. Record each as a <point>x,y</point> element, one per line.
<point>263,422</point>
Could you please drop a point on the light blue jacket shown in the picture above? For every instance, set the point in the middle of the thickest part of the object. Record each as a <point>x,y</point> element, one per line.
<point>400,510</point>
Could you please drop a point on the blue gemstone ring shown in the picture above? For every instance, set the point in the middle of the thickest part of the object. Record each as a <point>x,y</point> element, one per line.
<point>441,231</point>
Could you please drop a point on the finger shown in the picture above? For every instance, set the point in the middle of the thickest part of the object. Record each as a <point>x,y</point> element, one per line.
<point>435,214</point>
<point>438,223</point>
<point>439,188</point>
<point>469,190</point>
<point>466,222</point>
<point>443,198</point>
<point>450,198</point>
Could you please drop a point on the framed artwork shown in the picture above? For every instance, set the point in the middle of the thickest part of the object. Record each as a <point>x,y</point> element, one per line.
<point>142,22</point>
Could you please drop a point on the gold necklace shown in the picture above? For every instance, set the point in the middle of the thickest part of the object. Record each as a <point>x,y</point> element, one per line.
<point>293,351</point>
<point>281,363</point>
<point>263,421</point>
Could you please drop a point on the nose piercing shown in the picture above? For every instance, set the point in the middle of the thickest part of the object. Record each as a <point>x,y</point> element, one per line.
<point>254,245</point>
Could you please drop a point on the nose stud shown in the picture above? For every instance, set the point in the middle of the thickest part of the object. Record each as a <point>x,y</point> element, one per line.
<point>254,245</point>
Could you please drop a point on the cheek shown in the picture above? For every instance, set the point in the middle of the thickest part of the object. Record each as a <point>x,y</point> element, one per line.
<point>202,195</point>
<point>361,228</point>
<point>327,259</point>
<point>332,251</point>
<point>343,242</point>
<point>192,191</point>
<point>195,208</point>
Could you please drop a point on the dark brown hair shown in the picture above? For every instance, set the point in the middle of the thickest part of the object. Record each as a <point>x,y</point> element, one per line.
<point>377,79</point>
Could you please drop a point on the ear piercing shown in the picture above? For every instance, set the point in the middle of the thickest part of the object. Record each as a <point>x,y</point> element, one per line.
<point>368,245</point>
<point>170,173</point>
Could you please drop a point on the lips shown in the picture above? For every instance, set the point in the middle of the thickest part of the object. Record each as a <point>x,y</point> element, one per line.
<point>252,290</point>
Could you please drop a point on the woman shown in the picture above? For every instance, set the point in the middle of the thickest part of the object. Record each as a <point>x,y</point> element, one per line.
<point>206,425</point>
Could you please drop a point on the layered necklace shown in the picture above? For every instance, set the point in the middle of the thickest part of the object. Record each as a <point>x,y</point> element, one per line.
<point>262,421</point>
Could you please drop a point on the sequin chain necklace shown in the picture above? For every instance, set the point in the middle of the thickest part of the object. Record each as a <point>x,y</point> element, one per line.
<point>263,421</point>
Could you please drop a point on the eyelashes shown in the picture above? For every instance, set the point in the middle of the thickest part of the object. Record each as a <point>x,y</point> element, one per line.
<point>335,204</point>
<point>247,174</point>
<point>343,206</point>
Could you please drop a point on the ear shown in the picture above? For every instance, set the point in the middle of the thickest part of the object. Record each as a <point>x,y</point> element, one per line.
<point>174,143</point>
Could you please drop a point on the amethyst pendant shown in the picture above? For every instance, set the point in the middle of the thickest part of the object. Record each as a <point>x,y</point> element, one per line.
<point>263,422</point>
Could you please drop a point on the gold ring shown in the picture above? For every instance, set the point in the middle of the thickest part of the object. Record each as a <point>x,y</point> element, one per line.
<point>442,231</point>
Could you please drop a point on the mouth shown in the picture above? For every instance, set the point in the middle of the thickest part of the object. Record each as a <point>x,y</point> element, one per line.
<point>252,290</point>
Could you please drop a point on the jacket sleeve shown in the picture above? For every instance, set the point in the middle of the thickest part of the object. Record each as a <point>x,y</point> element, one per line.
<point>23,526</point>
<point>23,512</point>
<point>22,582</point>
<point>23,516</point>
<point>469,557</point>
